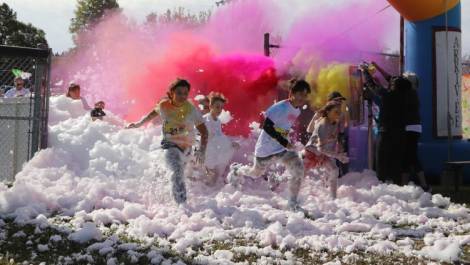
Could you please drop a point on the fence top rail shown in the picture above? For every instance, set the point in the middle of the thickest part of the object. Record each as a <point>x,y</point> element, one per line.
<point>16,101</point>
<point>15,51</point>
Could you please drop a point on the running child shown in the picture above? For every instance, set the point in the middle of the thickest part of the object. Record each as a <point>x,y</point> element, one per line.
<point>323,147</point>
<point>179,118</point>
<point>220,148</point>
<point>273,145</point>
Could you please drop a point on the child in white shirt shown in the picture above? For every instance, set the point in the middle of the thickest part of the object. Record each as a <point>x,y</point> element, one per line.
<point>273,145</point>
<point>220,148</point>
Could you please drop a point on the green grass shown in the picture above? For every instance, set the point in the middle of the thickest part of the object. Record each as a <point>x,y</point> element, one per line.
<point>307,256</point>
<point>16,248</point>
<point>465,258</point>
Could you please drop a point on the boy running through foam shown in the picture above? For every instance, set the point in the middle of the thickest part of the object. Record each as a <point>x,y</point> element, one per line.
<point>273,144</point>
<point>179,118</point>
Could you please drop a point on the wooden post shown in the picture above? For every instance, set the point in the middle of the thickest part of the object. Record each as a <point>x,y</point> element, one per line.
<point>402,45</point>
<point>266,45</point>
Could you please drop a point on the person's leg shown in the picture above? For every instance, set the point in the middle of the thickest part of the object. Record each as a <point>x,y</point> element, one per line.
<point>390,158</point>
<point>396,155</point>
<point>416,163</point>
<point>175,163</point>
<point>405,178</point>
<point>344,142</point>
<point>258,168</point>
<point>213,174</point>
<point>295,167</point>
<point>407,159</point>
<point>339,165</point>
<point>422,181</point>
<point>210,176</point>
<point>332,172</point>
<point>234,177</point>
<point>380,157</point>
<point>219,171</point>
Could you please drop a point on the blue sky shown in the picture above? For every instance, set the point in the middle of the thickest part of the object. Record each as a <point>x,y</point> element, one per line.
<point>53,16</point>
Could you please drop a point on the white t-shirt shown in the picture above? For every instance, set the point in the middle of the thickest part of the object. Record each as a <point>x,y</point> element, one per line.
<point>283,114</point>
<point>14,93</point>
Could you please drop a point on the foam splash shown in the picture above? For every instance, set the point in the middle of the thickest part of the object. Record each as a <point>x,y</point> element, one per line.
<point>99,175</point>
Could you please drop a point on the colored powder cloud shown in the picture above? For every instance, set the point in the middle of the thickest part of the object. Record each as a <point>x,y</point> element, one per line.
<point>130,65</point>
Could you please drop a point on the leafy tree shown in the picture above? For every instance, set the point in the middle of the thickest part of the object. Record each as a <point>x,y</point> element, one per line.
<point>466,64</point>
<point>17,33</point>
<point>179,16</point>
<point>90,12</point>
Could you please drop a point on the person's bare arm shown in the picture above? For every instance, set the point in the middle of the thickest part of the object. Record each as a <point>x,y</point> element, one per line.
<point>384,73</point>
<point>202,148</point>
<point>204,135</point>
<point>311,125</point>
<point>150,116</point>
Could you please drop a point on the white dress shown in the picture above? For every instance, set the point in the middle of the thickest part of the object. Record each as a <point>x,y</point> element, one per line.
<point>219,150</point>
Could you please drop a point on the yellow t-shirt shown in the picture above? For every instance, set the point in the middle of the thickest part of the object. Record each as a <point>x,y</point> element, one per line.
<point>179,122</point>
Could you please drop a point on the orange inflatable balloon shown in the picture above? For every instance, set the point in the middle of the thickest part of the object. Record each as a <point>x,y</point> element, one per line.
<point>415,10</point>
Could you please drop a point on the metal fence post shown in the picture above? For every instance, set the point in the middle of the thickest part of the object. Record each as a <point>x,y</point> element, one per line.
<point>37,107</point>
<point>23,120</point>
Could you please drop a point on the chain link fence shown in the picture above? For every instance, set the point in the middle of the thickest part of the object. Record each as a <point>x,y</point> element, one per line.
<point>23,120</point>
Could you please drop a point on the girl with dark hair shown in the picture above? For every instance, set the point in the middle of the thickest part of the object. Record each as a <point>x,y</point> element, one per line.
<point>73,92</point>
<point>179,120</point>
<point>322,149</point>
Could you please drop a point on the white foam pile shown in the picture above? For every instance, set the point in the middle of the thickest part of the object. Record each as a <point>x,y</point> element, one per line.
<point>100,174</point>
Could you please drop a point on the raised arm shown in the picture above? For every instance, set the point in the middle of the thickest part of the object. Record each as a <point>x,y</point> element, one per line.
<point>201,154</point>
<point>150,116</point>
<point>384,73</point>
<point>311,125</point>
